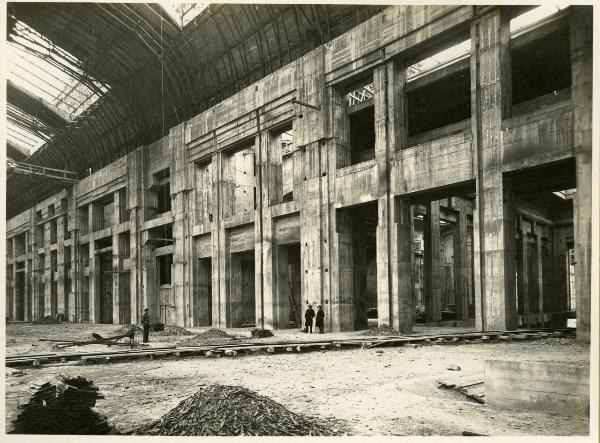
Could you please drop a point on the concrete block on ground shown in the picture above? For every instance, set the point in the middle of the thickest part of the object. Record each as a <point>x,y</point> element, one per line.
<point>548,387</point>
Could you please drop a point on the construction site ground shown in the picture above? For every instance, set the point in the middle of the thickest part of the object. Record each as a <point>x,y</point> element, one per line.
<point>377,391</point>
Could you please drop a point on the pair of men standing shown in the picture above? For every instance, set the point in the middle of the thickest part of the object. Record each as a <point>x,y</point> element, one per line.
<point>308,319</point>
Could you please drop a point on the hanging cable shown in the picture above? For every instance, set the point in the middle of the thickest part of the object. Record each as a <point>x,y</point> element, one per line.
<point>162,75</point>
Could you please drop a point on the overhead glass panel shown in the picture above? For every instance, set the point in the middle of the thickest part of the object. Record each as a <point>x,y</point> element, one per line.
<point>183,13</point>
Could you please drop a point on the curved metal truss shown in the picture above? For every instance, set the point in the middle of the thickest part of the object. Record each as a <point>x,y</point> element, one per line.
<point>130,72</point>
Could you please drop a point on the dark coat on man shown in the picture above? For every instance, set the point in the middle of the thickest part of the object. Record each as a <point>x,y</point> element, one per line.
<point>308,317</point>
<point>320,319</point>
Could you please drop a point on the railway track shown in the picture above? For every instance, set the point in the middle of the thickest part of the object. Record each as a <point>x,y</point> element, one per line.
<point>231,350</point>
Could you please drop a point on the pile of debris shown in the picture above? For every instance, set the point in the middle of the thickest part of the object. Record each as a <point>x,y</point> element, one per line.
<point>382,330</point>
<point>261,333</point>
<point>47,320</point>
<point>234,410</point>
<point>173,330</point>
<point>63,406</point>
<point>126,329</point>
<point>210,336</point>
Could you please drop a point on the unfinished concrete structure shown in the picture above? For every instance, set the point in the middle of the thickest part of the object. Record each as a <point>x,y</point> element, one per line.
<point>356,177</point>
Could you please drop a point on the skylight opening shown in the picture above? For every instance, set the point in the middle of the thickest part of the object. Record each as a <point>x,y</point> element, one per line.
<point>183,13</point>
<point>519,24</point>
<point>439,60</point>
<point>54,76</point>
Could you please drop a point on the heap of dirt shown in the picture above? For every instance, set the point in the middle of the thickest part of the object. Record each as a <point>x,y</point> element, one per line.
<point>126,329</point>
<point>261,333</point>
<point>208,337</point>
<point>382,330</point>
<point>47,320</point>
<point>234,410</point>
<point>63,406</point>
<point>173,330</point>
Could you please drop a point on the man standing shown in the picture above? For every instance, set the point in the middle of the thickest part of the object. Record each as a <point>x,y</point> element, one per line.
<point>146,325</point>
<point>320,319</point>
<point>308,319</point>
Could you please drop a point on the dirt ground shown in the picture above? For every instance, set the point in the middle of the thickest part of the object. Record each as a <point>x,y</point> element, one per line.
<point>387,391</point>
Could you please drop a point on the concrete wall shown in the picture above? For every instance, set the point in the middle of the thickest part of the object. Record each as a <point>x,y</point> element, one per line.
<point>538,386</point>
<point>233,202</point>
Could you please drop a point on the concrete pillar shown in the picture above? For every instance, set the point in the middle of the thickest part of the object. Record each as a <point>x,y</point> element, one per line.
<point>432,269</point>
<point>180,185</point>
<point>490,102</point>
<point>135,196</point>
<point>461,260</point>
<point>48,273</point>
<point>523,271</point>
<point>403,306</point>
<point>342,317</point>
<point>581,96</point>
<point>268,185</point>
<point>117,260</point>
<point>94,275</point>
<point>220,244</point>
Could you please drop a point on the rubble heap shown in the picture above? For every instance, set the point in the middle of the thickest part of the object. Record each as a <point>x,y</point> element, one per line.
<point>234,410</point>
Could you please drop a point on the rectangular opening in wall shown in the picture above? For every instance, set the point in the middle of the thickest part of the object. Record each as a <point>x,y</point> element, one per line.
<point>39,235</point>
<point>541,65</point>
<point>51,211</point>
<point>239,170</point>
<point>202,302</point>
<point>53,231</point>
<point>67,258</point>
<point>38,215</point>
<point>360,103</point>
<point>204,192</point>
<point>443,258</point>
<point>84,217</point>
<point>438,94</point>
<point>66,229</point>
<point>281,165</point>
<point>161,236</point>
<point>159,194</point>
<point>124,244</point>
<point>64,204</point>
<point>19,244</point>
<point>84,254</point>
<point>9,248</point>
<point>104,210</point>
<point>164,263</point>
<point>123,211</point>
<point>241,299</point>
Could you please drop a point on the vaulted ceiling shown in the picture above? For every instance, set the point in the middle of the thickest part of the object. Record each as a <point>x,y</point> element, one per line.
<point>132,73</point>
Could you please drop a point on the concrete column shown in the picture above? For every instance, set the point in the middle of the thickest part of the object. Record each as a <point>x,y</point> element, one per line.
<point>490,101</point>
<point>180,183</point>
<point>117,260</point>
<point>342,317</point>
<point>539,233</point>
<point>94,275</point>
<point>403,306</point>
<point>461,260</point>
<point>61,290</point>
<point>523,271</point>
<point>581,96</point>
<point>135,196</point>
<point>48,274</point>
<point>28,290</point>
<point>432,268</point>
<point>268,185</point>
<point>220,246</point>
